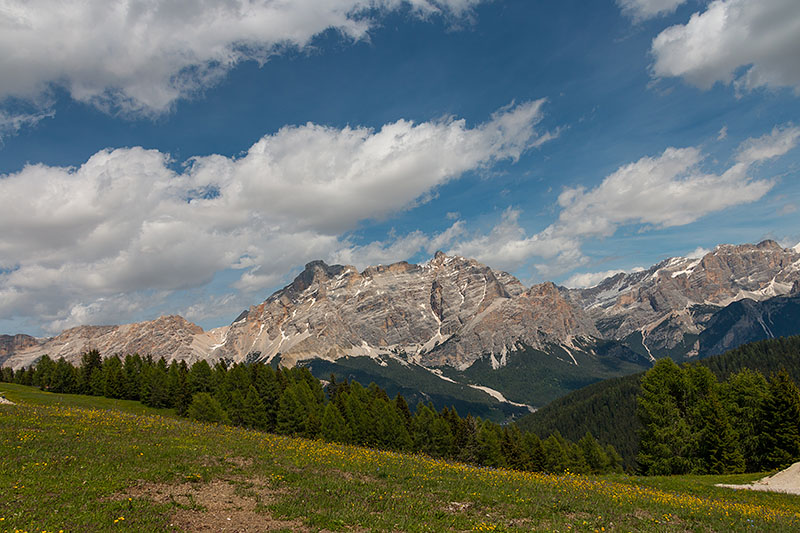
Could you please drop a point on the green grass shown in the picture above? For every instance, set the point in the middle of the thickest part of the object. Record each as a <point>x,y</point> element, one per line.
<point>67,467</point>
<point>34,396</point>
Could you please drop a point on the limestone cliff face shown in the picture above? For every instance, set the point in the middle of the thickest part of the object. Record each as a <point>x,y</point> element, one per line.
<point>679,295</point>
<point>171,337</point>
<point>10,344</point>
<point>449,310</point>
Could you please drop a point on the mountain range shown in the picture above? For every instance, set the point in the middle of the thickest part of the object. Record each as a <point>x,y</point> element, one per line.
<point>462,325</point>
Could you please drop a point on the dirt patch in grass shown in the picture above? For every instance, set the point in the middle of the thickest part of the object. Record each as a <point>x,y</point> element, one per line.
<point>457,507</point>
<point>241,462</point>
<point>221,505</point>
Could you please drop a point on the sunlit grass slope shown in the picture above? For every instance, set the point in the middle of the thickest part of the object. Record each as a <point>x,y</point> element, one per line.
<point>72,468</point>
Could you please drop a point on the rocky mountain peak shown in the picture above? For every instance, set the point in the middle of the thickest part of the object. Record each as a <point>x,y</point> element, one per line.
<point>448,311</point>
<point>673,298</point>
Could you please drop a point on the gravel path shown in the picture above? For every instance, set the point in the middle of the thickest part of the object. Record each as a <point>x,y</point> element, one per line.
<point>787,481</point>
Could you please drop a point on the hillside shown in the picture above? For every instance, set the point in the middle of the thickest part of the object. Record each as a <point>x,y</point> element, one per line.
<point>608,409</point>
<point>162,474</point>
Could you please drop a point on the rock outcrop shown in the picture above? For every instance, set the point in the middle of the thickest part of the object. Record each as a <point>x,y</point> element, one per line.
<point>450,311</point>
<point>679,295</point>
<point>171,337</point>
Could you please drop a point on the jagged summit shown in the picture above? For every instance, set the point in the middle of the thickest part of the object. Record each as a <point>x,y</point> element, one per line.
<point>452,311</point>
<point>677,296</point>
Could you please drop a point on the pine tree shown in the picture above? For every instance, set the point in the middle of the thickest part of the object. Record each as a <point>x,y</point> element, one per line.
<point>489,450</point>
<point>533,445</point>
<point>717,446</point>
<point>199,378</point>
<point>742,395</point>
<point>779,439</point>
<point>513,449</point>
<point>266,384</point>
<point>113,378</point>
<point>90,362</point>
<point>205,408</point>
<point>615,461</point>
<point>44,372</point>
<point>236,410</point>
<point>402,407</point>
<point>132,368</point>
<point>556,460</point>
<point>595,456</point>
<point>64,379</point>
<point>254,407</point>
<point>334,428</point>
<point>665,436</point>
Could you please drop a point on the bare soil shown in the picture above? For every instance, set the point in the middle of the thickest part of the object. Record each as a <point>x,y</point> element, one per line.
<point>786,481</point>
<point>223,505</point>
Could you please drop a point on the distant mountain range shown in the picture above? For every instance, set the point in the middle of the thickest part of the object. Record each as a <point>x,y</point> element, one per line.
<point>470,327</point>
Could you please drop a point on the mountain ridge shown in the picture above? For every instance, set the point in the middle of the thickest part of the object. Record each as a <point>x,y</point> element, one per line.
<point>454,313</point>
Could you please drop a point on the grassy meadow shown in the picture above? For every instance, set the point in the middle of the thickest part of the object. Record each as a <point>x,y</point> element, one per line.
<point>75,463</point>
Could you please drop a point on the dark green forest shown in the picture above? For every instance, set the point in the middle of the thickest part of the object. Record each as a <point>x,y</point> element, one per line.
<point>609,409</point>
<point>292,401</point>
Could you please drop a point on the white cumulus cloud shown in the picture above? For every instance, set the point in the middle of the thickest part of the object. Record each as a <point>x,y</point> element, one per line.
<point>640,10</point>
<point>590,279</point>
<point>670,189</point>
<point>136,56</point>
<point>749,43</point>
<point>125,221</point>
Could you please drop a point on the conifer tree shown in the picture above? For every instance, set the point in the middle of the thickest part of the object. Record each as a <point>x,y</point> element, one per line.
<point>489,451</point>
<point>717,446</point>
<point>334,428</point>
<point>556,460</point>
<point>200,378</point>
<point>254,407</point>
<point>113,378</point>
<point>779,439</point>
<point>402,407</point>
<point>64,379</point>
<point>536,454</point>
<point>615,461</point>
<point>595,456</point>
<point>132,368</point>
<point>90,363</point>
<point>7,374</point>
<point>665,436</point>
<point>205,408</point>
<point>513,449</point>
<point>469,452</point>
<point>159,386</point>
<point>742,395</point>
<point>43,372</point>
<point>236,410</point>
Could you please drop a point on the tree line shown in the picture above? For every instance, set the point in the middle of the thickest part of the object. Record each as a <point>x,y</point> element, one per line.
<point>607,409</point>
<point>292,401</point>
<point>693,423</point>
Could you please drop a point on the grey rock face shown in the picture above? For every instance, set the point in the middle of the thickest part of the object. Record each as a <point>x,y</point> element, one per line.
<point>171,337</point>
<point>449,310</point>
<point>678,295</point>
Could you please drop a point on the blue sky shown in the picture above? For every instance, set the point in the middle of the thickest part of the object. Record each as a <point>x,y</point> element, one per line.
<point>167,157</point>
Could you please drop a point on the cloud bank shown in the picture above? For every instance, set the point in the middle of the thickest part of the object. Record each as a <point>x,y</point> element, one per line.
<point>667,190</point>
<point>138,57</point>
<point>750,44</point>
<point>640,10</point>
<point>76,240</point>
